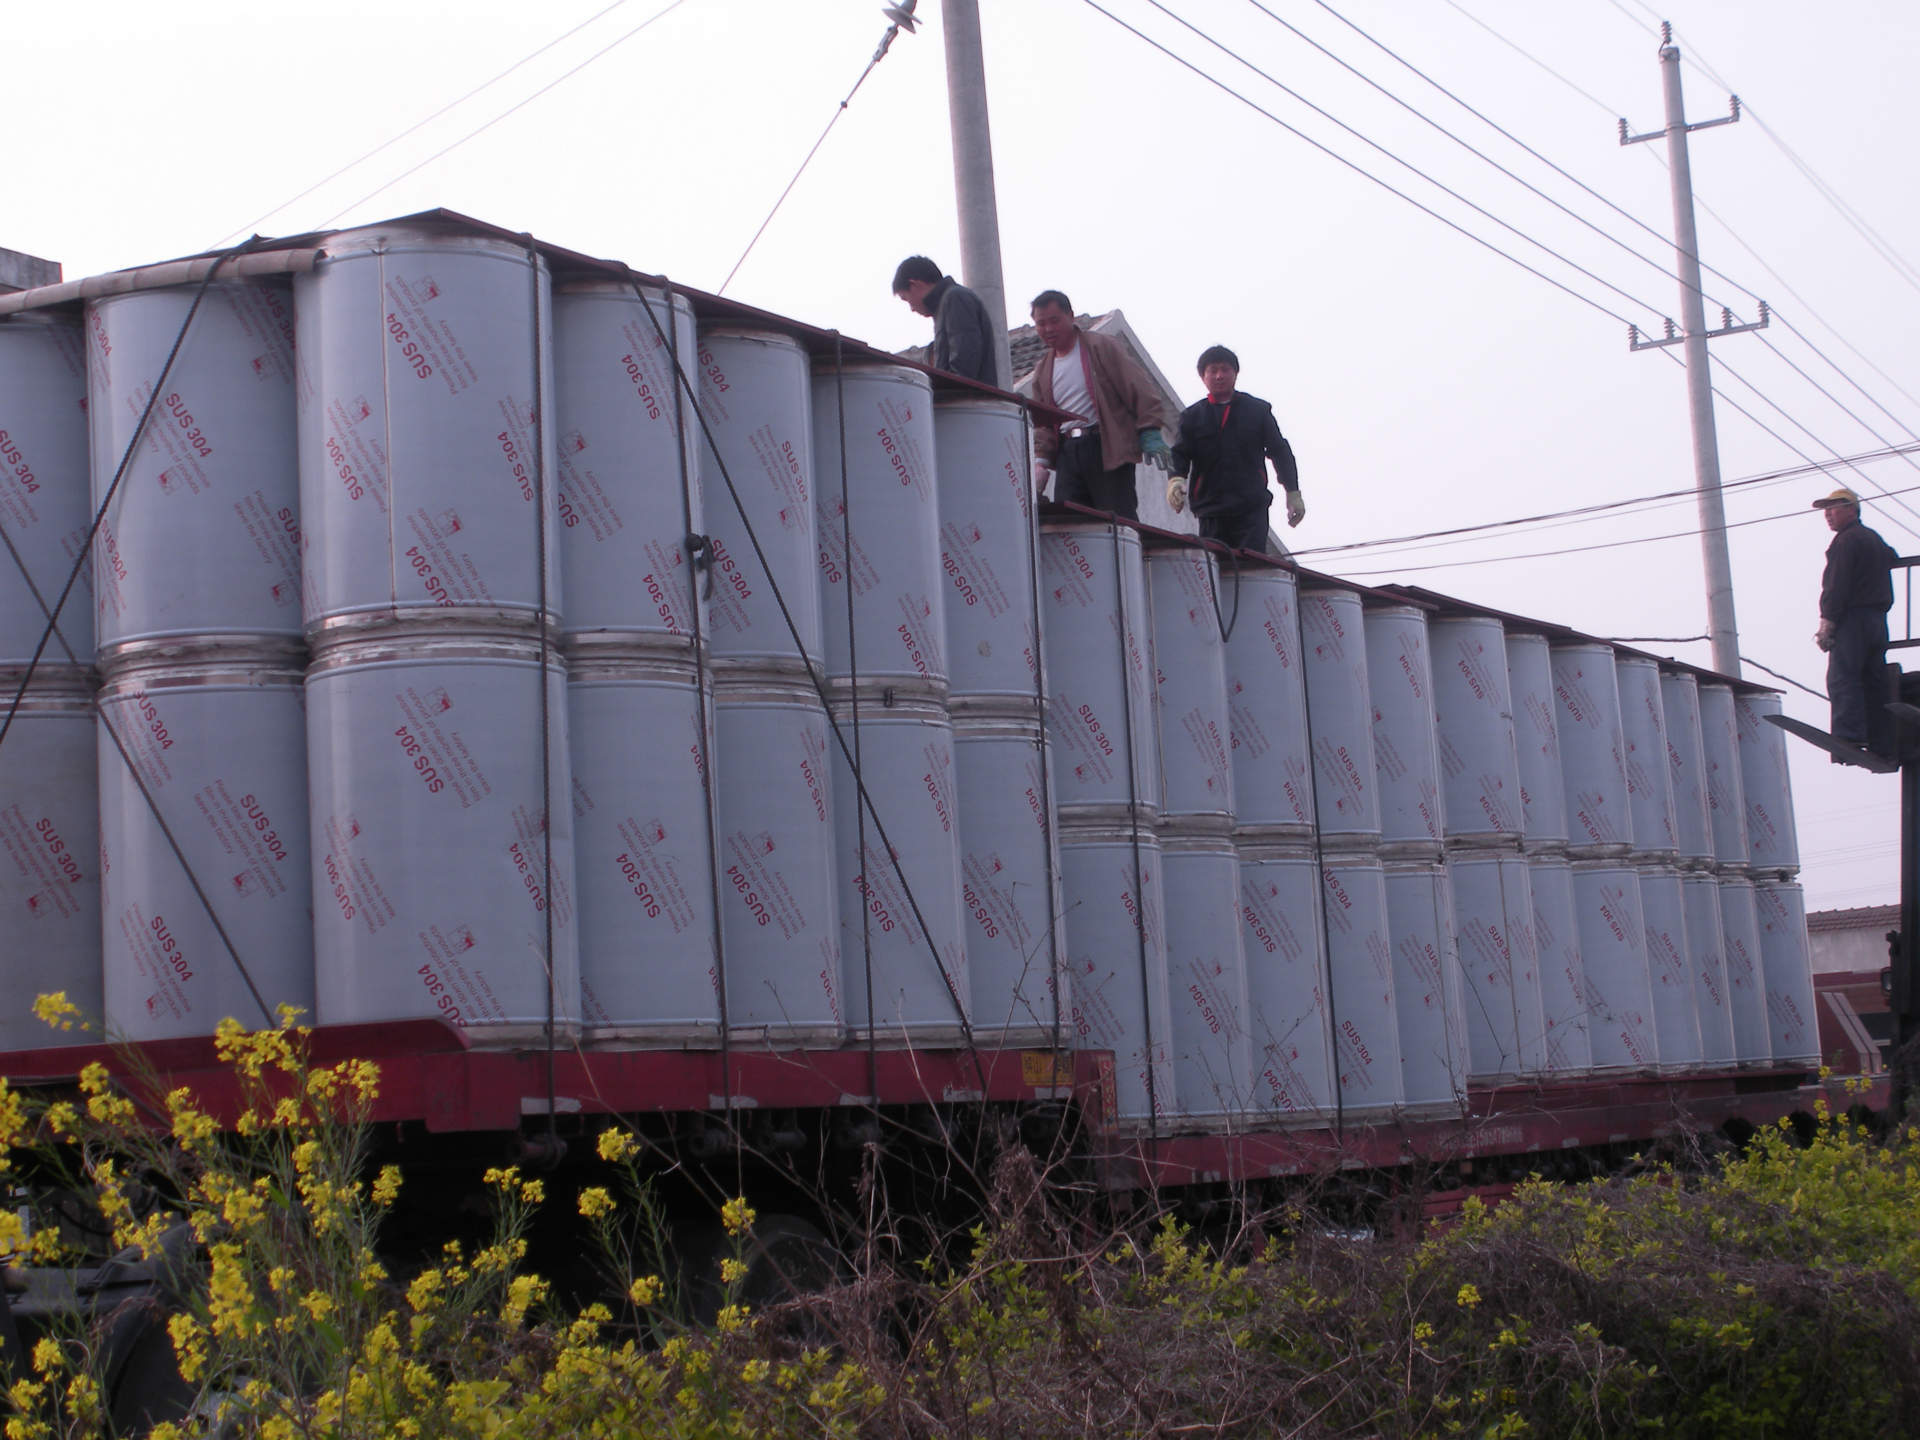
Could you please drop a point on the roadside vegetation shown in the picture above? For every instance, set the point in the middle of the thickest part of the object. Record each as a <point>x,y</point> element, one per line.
<point>1773,1292</point>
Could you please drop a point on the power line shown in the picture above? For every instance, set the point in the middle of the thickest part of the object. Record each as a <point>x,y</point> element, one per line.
<point>1665,240</point>
<point>1358,169</point>
<point>1397,159</point>
<point>1593,511</point>
<point>606,49</point>
<point>418,125</point>
<point>1693,534</point>
<point>886,43</point>
<point>1611,111</point>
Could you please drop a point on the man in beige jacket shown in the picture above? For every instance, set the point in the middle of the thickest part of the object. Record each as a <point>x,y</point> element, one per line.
<point>1118,415</point>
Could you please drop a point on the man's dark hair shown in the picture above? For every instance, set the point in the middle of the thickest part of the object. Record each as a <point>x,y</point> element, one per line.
<point>1052,297</point>
<point>1217,355</point>
<point>915,267</point>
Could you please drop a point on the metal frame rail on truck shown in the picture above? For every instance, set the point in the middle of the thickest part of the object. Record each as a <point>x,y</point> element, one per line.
<point>601,703</point>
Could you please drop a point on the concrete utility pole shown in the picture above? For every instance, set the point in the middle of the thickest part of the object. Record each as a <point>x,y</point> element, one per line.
<point>1693,335</point>
<point>973,171</point>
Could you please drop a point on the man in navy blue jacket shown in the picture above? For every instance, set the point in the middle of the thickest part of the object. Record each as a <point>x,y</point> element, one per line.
<point>1856,591</point>
<point>1220,459</point>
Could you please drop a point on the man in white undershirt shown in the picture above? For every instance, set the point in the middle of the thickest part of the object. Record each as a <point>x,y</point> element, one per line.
<point>1117,411</point>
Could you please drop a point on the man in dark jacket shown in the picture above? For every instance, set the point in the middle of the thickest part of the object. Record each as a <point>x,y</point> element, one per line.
<point>1224,443</point>
<point>1856,591</point>
<point>962,333</point>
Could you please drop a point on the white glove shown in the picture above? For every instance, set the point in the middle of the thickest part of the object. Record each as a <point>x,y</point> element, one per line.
<point>1296,508</point>
<point>1177,494</point>
<point>1823,637</point>
<point>1041,475</point>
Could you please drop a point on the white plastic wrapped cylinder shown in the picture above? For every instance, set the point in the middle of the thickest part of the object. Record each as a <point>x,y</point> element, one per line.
<point>1288,1026</point>
<point>1592,751</point>
<point>1613,952</point>
<point>1366,1020</point>
<point>1773,842</point>
<point>433,820</point>
<point>427,448</point>
<point>1499,965</point>
<point>1111,888</point>
<point>1706,950</point>
<point>888,512</point>
<point>1267,706</point>
<point>642,849</point>
<point>987,547</point>
<point>49,859</point>
<point>1190,683</point>
<point>900,923</point>
<point>757,484</point>
<point>1474,711</point>
<point>221,750</point>
<point>1206,972</point>
<point>1009,878</point>
<point>1563,981</point>
<point>1427,991</point>
<point>1786,958</point>
<point>1746,972</point>
<point>1671,976</point>
<point>1687,767</point>
<point>1096,633</point>
<point>1643,721</point>
<point>628,471</point>
<point>1536,736</point>
<point>44,490</point>
<point>1726,794</point>
<point>779,906</point>
<point>1340,711</point>
<point>1406,756</point>
<point>204,533</point>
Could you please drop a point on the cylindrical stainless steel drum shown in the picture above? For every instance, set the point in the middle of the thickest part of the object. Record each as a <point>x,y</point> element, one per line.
<point>1787,959</point>
<point>642,849</point>
<point>1206,972</point>
<point>1406,754</point>
<point>1427,988</point>
<point>1493,910</point>
<point>1687,768</point>
<point>1706,949</point>
<point>1592,752</point>
<point>432,822</point>
<point>204,533</point>
<point>427,459</point>
<point>1746,972</point>
<point>1643,720</point>
<point>1726,795</point>
<point>1773,842</point>
<point>220,748</point>
<point>1340,711</point>
<point>1366,1021</point>
<point>1536,734</point>
<point>44,489</point>
<point>1563,980</point>
<point>1613,949</point>
<point>876,494</point>
<point>1267,707</point>
<point>49,858</point>
<point>1190,694</point>
<point>1288,1025</point>
<point>1670,969</point>
<point>1117,959</point>
<point>628,480</point>
<point>987,547</point>
<point>900,926</point>
<point>1484,799</point>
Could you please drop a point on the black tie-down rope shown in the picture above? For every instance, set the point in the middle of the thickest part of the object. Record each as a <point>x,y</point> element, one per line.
<point>698,558</point>
<point>549,663</point>
<point>51,629</point>
<point>820,687</point>
<point>1133,838</point>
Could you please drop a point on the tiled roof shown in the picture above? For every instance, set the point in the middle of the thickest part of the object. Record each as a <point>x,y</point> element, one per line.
<point>1863,917</point>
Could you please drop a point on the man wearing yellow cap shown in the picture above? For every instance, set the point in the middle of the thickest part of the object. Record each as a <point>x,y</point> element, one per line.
<point>1856,591</point>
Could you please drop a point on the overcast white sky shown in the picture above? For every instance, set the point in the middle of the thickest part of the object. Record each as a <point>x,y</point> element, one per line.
<point>1425,382</point>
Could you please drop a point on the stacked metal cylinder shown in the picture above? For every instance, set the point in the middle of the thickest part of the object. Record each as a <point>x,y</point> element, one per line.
<point>49,812</point>
<point>206,895</point>
<point>1780,907</point>
<point>1699,888</point>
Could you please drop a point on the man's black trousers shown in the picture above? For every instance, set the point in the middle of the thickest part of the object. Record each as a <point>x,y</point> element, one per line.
<point>1856,675</point>
<point>1079,480</point>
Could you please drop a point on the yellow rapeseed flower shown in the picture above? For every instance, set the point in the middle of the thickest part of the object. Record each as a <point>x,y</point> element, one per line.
<point>738,1216</point>
<point>595,1202</point>
<point>617,1145</point>
<point>646,1290</point>
<point>386,1188</point>
<point>57,1012</point>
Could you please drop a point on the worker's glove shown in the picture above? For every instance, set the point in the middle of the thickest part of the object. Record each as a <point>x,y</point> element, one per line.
<point>1296,508</point>
<point>1177,494</point>
<point>1154,446</point>
<point>1041,475</point>
<point>1823,637</point>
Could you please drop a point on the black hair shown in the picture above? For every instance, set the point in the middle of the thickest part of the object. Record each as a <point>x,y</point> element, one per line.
<point>1052,297</point>
<point>915,267</point>
<point>1217,355</point>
